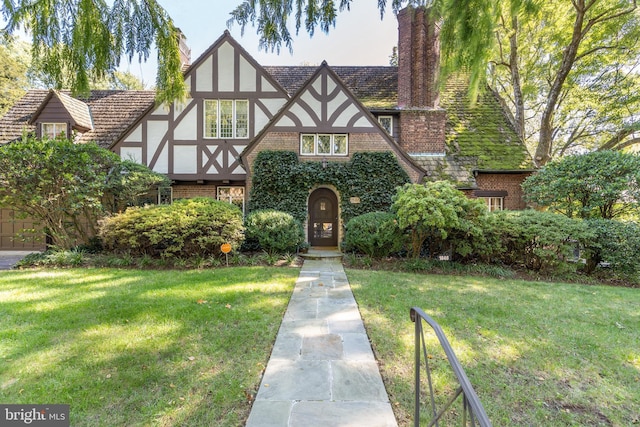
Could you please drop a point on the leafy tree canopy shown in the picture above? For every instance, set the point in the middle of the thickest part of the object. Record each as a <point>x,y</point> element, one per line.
<point>14,63</point>
<point>67,187</point>
<point>601,184</point>
<point>119,80</point>
<point>568,71</point>
<point>76,42</point>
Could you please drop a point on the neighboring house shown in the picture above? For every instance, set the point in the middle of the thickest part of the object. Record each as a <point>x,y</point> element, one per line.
<point>236,108</point>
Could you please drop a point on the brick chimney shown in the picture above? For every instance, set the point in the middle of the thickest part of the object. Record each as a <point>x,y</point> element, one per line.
<point>185,50</point>
<point>422,122</point>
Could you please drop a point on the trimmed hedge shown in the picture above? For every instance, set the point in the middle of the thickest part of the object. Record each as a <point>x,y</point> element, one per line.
<point>539,241</point>
<point>275,231</point>
<point>376,234</point>
<point>185,228</point>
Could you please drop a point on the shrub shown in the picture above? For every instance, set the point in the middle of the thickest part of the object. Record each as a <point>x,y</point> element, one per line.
<point>539,241</point>
<point>614,242</point>
<point>275,231</point>
<point>376,234</point>
<point>184,228</point>
<point>601,184</point>
<point>439,215</point>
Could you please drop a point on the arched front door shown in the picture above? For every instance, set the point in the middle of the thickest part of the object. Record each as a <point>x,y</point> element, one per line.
<point>323,218</point>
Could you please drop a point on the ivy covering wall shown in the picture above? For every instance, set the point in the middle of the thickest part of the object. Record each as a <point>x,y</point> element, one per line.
<point>365,184</point>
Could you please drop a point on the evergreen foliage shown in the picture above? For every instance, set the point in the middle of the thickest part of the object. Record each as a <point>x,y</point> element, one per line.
<point>275,231</point>
<point>539,241</point>
<point>375,234</point>
<point>75,42</point>
<point>616,243</point>
<point>281,182</point>
<point>601,184</point>
<point>188,227</point>
<point>431,212</point>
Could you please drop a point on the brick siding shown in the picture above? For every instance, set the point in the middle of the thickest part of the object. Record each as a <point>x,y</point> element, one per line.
<point>511,183</point>
<point>422,131</point>
<point>191,191</point>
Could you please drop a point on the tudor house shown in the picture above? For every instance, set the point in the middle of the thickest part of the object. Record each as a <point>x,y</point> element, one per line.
<point>236,108</point>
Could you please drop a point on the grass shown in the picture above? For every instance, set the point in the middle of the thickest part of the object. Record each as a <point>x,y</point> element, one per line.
<point>131,347</point>
<point>543,354</point>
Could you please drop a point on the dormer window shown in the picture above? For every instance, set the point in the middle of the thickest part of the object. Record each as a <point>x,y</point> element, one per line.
<point>53,130</point>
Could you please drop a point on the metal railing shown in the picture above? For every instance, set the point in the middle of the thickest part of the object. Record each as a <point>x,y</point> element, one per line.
<point>472,410</point>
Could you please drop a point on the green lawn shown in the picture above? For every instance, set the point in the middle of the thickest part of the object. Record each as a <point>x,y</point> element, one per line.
<point>538,354</point>
<point>129,347</point>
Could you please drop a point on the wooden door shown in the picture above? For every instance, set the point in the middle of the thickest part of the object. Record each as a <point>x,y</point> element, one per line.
<point>323,218</point>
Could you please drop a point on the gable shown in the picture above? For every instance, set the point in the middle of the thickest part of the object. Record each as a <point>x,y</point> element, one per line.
<point>58,107</point>
<point>177,140</point>
<point>324,104</point>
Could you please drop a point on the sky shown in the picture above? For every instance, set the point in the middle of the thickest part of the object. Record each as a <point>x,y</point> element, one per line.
<point>359,37</point>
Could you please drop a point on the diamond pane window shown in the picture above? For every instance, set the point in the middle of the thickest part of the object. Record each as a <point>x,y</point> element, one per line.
<point>340,145</point>
<point>210,118</point>
<point>242,119</point>
<point>307,145</point>
<point>387,123</point>
<point>226,118</point>
<point>324,144</point>
<point>233,195</point>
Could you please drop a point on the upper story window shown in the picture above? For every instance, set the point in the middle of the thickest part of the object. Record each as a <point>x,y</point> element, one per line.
<point>387,123</point>
<point>312,144</point>
<point>226,118</point>
<point>53,130</point>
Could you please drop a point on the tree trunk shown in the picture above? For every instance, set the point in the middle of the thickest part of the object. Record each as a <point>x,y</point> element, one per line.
<point>518,99</point>
<point>545,141</point>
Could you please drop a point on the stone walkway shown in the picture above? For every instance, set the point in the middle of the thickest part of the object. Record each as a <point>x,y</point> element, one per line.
<point>322,372</point>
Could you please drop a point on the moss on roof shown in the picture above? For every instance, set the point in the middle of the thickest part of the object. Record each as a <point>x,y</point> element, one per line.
<point>481,130</point>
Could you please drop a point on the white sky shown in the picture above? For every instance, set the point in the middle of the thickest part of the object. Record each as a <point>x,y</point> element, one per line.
<point>359,37</point>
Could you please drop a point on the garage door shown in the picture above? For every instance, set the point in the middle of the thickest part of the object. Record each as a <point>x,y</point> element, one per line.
<point>10,226</point>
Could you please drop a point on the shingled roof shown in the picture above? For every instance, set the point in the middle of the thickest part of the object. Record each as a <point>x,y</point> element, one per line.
<point>112,111</point>
<point>375,87</point>
<point>482,130</point>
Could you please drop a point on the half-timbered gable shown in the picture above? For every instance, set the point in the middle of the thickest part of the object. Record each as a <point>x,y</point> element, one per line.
<point>230,99</point>
<point>325,121</point>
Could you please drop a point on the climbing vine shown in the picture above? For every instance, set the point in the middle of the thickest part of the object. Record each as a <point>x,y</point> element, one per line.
<point>367,183</point>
